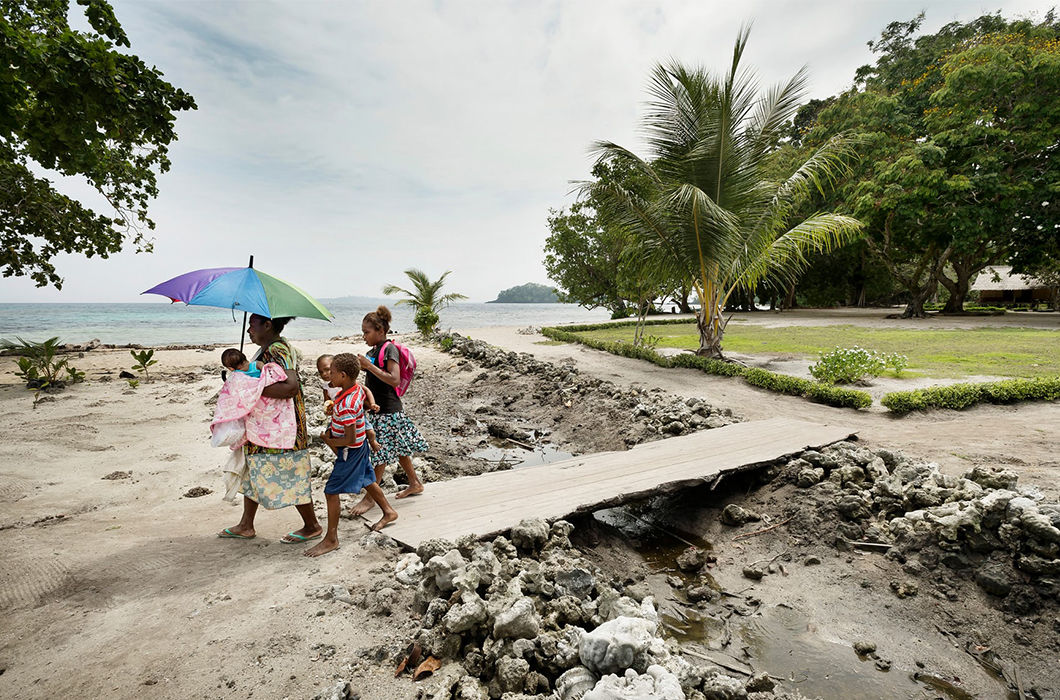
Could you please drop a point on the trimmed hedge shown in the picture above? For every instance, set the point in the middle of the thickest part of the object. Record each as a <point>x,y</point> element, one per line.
<point>706,364</point>
<point>617,324</point>
<point>971,309</point>
<point>958,396</point>
<point>815,391</point>
<point>783,383</point>
<point>615,348</point>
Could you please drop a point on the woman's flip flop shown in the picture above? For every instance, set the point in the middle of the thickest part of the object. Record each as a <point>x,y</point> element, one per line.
<point>227,534</point>
<point>295,538</point>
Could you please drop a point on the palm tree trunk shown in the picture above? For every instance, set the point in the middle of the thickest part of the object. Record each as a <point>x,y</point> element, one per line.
<point>709,322</point>
<point>709,336</point>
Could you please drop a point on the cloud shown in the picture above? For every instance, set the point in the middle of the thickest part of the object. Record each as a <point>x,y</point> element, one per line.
<point>344,142</point>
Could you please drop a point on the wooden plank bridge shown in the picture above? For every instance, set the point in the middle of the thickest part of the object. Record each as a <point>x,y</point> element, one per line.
<point>492,503</point>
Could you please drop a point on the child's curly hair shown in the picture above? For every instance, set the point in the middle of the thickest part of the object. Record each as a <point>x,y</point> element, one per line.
<point>347,363</point>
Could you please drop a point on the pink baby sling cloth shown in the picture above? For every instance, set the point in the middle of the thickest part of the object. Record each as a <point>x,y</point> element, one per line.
<point>243,415</point>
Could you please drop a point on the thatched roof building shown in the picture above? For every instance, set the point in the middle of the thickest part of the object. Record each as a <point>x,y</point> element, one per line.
<point>998,285</point>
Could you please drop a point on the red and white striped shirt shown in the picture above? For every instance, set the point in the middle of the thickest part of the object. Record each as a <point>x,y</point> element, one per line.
<point>349,411</point>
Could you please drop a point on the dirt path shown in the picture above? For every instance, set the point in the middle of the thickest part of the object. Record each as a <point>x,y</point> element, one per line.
<point>1022,437</point>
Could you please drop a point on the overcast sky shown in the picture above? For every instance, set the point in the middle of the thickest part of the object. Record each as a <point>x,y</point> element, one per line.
<point>343,142</point>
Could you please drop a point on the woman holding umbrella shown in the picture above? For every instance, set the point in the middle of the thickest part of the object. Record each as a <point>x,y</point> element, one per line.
<point>277,478</point>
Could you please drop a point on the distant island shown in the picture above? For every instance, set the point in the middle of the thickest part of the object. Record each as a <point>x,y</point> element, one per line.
<point>528,293</point>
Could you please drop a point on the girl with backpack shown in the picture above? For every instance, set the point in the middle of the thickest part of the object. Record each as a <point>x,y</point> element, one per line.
<point>397,435</point>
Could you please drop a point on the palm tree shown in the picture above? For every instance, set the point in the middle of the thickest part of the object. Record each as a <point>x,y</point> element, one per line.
<point>426,298</point>
<point>712,213</point>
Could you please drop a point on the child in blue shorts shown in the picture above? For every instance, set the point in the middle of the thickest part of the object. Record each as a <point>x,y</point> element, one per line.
<point>346,436</point>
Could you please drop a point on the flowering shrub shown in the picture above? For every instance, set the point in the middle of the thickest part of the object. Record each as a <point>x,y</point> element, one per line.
<point>847,365</point>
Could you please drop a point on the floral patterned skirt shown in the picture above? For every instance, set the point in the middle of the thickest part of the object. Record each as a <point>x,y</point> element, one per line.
<point>397,436</point>
<point>277,478</point>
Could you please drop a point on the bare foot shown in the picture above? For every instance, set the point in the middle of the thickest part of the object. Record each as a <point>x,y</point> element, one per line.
<point>237,532</point>
<point>412,490</point>
<point>362,507</point>
<point>385,520</point>
<point>323,547</point>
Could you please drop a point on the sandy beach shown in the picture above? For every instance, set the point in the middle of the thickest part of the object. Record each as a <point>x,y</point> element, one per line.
<point>113,582</point>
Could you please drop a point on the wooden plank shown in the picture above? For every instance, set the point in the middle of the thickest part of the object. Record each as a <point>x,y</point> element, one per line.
<point>491,503</point>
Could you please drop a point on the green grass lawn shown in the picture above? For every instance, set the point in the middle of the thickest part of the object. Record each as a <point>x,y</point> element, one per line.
<point>1004,352</point>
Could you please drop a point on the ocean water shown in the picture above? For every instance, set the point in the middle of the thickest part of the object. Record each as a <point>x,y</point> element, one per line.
<point>160,323</point>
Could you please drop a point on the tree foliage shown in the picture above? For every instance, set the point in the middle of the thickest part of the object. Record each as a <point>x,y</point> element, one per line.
<point>529,293</point>
<point>71,102</point>
<point>712,212</point>
<point>957,134</point>
<point>584,252</point>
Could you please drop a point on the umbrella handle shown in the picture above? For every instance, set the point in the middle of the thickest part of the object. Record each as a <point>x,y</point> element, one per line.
<point>243,332</point>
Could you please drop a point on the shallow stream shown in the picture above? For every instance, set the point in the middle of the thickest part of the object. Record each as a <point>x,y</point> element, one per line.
<point>506,454</point>
<point>743,636</point>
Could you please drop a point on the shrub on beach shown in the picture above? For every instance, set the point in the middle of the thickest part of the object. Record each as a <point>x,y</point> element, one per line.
<point>39,365</point>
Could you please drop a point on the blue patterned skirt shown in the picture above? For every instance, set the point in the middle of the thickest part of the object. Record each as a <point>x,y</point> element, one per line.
<point>353,470</point>
<point>397,436</point>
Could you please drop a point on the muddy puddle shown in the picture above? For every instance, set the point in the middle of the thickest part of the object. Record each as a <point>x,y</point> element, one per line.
<point>505,454</point>
<point>735,631</point>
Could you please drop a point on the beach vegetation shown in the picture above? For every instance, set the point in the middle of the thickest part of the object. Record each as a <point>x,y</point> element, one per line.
<point>425,297</point>
<point>75,103</point>
<point>709,206</point>
<point>144,359</point>
<point>41,366</point>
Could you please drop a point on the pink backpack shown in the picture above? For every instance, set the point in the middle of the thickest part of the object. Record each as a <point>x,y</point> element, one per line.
<point>406,363</point>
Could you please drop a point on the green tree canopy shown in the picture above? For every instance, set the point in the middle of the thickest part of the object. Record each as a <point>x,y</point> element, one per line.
<point>584,252</point>
<point>957,133</point>
<point>529,293</point>
<point>71,102</point>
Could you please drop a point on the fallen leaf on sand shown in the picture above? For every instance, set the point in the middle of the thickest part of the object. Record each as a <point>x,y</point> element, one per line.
<point>429,666</point>
<point>412,657</point>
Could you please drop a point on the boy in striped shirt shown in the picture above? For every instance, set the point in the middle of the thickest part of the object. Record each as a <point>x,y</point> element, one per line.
<point>348,436</point>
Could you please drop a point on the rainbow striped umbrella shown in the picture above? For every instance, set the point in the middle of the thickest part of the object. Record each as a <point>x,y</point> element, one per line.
<point>242,289</point>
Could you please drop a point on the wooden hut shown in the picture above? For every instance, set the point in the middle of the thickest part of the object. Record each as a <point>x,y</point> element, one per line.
<point>998,286</point>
